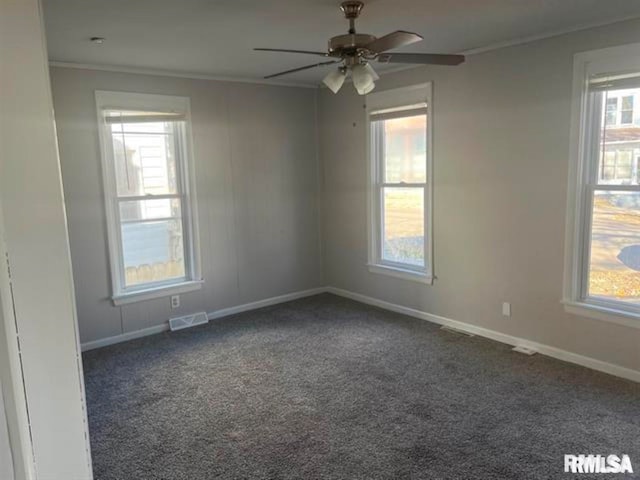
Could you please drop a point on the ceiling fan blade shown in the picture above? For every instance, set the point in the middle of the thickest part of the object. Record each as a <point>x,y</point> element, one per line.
<point>322,54</point>
<point>396,39</point>
<point>421,58</point>
<point>303,68</point>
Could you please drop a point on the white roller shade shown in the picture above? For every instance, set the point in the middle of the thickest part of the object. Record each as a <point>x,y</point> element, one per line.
<point>614,82</point>
<point>118,116</point>
<point>400,112</point>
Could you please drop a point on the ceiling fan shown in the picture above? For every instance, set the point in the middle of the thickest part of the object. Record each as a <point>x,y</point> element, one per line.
<point>354,52</point>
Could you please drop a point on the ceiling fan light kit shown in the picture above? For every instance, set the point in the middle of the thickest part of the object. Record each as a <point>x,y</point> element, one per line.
<point>364,78</point>
<point>354,51</point>
<point>335,79</point>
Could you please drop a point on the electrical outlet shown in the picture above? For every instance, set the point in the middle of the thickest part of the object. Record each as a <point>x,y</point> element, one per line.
<point>506,309</point>
<point>175,301</point>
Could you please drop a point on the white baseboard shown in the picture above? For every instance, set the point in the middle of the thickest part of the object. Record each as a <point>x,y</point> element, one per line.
<point>265,302</point>
<point>103,342</point>
<point>124,337</point>
<point>550,351</point>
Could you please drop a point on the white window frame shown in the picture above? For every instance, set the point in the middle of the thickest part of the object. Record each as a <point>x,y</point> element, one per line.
<point>409,98</point>
<point>193,278</point>
<point>625,58</point>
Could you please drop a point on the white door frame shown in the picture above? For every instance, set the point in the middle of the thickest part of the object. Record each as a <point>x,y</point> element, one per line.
<point>37,296</point>
<point>16,402</point>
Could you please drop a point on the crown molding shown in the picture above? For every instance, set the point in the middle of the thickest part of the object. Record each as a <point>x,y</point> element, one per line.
<point>520,41</point>
<point>218,78</point>
<point>543,36</point>
<point>175,74</point>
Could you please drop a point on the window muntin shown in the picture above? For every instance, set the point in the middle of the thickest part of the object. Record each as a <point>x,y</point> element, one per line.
<point>611,243</point>
<point>399,157</point>
<point>147,193</point>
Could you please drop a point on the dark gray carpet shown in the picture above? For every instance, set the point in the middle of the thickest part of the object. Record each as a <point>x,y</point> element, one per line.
<point>329,388</point>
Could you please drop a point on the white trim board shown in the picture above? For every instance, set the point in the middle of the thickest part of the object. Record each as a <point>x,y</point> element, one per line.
<point>224,312</point>
<point>175,74</point>
<point>547,350</point>
<point>267,302</point>
<point>550,34</point>
<point>124,337</point>
<point>203,76</point>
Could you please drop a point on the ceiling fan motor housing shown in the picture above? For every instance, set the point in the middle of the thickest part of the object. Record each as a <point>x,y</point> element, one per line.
<point>350,43</point>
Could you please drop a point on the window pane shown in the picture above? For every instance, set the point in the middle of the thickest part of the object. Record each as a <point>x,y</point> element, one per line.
<point>145,163</point>
<point>624,158</point>
<point>152,251</point>
<point>610,159</point>
<point>614,267</point>
<point>619,144</point>
<point>405,152</point>
<point>623,173</point>
<point>608,173</point>
<point>139,210</point>
<point>626,114</point>
<point>403,225</point>
<point>624,165</point>
<point>611,111</point>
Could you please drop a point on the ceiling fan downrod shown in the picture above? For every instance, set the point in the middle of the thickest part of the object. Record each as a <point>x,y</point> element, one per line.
<point>352,9</point>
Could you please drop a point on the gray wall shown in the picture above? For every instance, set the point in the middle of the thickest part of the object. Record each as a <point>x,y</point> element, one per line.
<point>257,185</point>
<point>501,128</point>
<point>501,157</point>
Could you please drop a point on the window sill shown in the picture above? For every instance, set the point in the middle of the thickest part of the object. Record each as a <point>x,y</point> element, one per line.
<point>156,292</point>
<point>601,312</point>
<point>402,273</point>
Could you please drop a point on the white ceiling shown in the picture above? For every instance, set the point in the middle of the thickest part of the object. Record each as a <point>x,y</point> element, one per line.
<point>216,37</point>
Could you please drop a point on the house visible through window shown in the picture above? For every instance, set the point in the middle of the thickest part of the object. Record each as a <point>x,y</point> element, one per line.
<point>618,107</point>
<point>610,270</point>
<point>147,193</point>
<point>400,189</point>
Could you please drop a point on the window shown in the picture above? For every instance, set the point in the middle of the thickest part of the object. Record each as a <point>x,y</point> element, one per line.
<point>148,194</point>
<point>617,165</point>
<point>626,113</point>
<point>612,111</point>
<point>400,182</point>
<point>619,107</point>
<point>603,255</point>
